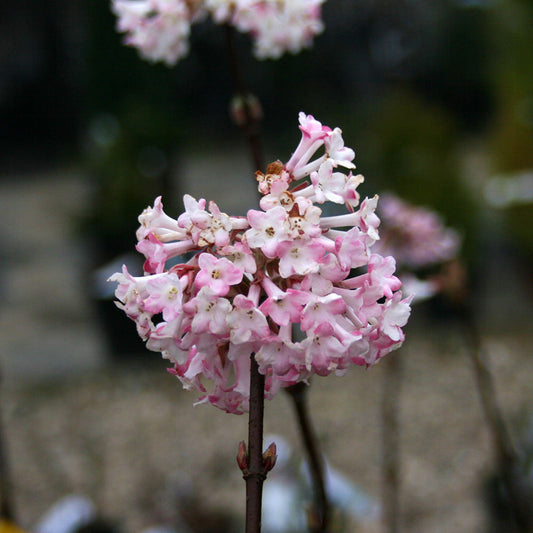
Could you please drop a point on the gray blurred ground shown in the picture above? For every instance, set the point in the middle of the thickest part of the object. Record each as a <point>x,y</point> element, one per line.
<point>46,325</point>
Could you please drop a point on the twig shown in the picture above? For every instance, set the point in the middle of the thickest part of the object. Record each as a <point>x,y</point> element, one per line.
<point>391,443</point>
<point>252,463</point>
<point>321,512</point>
<point>6,505</point>
<point>509,463</point>
<point>505,449</point>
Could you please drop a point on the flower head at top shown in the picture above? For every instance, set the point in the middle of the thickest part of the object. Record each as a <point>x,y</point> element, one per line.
<point>302,292</point>
<point>160,29</point>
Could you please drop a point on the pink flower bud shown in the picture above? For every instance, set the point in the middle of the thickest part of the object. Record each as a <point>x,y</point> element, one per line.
<point>242,457</point>
<point>270,457</point>
<point>241,107</point>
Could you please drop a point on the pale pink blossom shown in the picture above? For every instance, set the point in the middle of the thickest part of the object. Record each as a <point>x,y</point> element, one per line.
<point>268,230</point>
<point>247,322</point>
<point>306,293</point>
<point>313,135</point>
<point>160,29</point>
<point>131,291</point>
<point>208,311</point>
<point>381,272</point>
<point>283,307</point>
<point>157,253</point>
<point>336,151</point>
<point>328,185</point>
<point>324,352</point>
<point>195,214</point>
<point>163,339</point>
<point>218,274</point>
<point>285,358</point>
<point>416,236</point>
<point>321,309</point>
<point>352,250</point>
<point>419,241</point>
<point>241,256</point>
<point>154,220</point>
<point>277,26</point>
<point>211,227</point>
<point>368,220</point>
<point>299,257</point>
<point>395,315</point>
<point>165,296</point>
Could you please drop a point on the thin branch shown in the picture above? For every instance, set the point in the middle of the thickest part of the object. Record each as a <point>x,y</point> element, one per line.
<point>255,474</point>
<point>391,443</point>
<point>6,505</point>
<point>510,467</point>
<point>321,511</point>
<point>503,444</point>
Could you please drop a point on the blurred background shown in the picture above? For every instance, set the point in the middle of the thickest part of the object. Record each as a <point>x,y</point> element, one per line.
<point>435,97</point>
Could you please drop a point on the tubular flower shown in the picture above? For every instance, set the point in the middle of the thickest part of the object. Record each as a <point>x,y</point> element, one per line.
<point>303,292</point>
<point>160,29</point>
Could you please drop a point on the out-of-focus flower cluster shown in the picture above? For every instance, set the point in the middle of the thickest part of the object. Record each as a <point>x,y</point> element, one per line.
<point>160,29</point>
<point>418,240</point>
<point>301,291</point>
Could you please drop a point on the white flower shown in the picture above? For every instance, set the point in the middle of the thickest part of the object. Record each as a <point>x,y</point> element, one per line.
<point>160,29</point>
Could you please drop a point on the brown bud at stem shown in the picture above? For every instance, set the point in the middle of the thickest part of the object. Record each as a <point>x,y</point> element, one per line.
<point>270,457</point>
<point>242,457</point>
<point>244,108</point>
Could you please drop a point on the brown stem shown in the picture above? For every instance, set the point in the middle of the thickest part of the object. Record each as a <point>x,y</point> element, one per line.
<point>251,125</point>
<point>503,444</point>
<point>255,474</point>
<point>510,468</point>
<point>391,443</point>
<point>321,512</point>
<point>6,506</point>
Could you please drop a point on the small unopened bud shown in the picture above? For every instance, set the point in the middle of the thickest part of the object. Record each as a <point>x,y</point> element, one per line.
<point>243,108</point>
<point>270,457</point>
<point>242,457</point>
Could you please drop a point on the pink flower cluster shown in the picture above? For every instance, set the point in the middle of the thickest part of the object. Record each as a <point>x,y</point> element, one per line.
<point>160,29</point>
<point>418,239</point>
<point>301,291</point>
